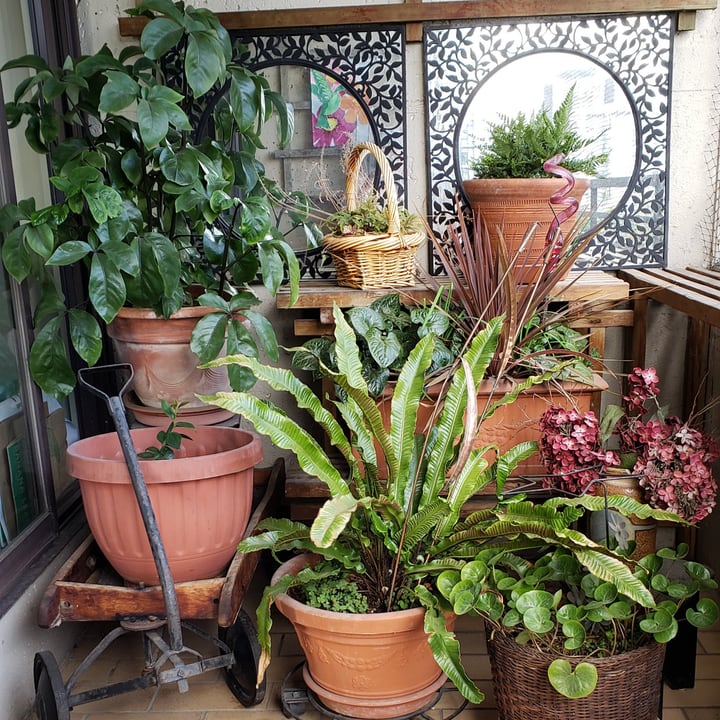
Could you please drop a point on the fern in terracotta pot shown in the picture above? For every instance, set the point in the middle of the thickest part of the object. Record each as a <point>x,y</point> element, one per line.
<point>532,169</point>
<point>158,212</point>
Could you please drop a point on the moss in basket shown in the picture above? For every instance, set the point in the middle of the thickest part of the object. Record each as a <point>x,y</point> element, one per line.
<point>369,218</point>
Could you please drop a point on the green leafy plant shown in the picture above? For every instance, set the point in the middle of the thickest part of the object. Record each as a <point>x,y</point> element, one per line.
<point>520,145</point>
<point>387,330</point>
<point>392,537</point>
<point>562,604</point>
<point>335,593</point>
<point>158,213</point>
<point>170,439</point>
<point>369,218</point>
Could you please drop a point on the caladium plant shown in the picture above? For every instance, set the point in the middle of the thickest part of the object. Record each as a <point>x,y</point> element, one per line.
<point>152,204</point>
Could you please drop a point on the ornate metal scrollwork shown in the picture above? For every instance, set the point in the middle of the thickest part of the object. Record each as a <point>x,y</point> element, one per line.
<point>634,49</point>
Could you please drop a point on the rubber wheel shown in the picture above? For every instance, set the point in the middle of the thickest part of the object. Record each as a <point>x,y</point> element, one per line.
<point>241,677</point>
<point>51,700</point>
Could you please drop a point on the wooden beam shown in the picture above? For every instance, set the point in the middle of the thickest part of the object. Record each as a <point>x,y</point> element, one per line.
<point>421,12</point>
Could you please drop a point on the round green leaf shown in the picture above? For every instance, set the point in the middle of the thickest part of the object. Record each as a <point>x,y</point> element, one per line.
<point>704,615</point>
<point>538,620</point>
<point>533,599</point>
<point>578,683</point>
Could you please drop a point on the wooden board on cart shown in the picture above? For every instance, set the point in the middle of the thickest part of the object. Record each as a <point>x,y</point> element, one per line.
<point>86,588</point>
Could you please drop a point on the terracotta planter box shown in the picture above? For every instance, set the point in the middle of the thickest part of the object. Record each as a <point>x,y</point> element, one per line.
<point>518,421</point>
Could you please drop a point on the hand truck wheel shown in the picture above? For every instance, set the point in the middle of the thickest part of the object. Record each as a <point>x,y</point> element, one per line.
<point>241,677</point>
<point>51,700</point>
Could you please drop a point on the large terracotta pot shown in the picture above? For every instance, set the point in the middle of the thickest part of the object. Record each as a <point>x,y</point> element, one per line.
<point>629,685</point>
<point>164,365</point>
<point>515,204</point>
<point>516,422</point>
<point>201,498</point>
<point>364,666</point>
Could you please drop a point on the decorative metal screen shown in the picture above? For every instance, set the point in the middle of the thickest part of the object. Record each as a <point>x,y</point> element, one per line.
<point>635,50</point>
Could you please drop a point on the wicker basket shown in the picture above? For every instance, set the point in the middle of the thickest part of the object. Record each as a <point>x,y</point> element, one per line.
<point>374,261</point>
<point>629,685</point>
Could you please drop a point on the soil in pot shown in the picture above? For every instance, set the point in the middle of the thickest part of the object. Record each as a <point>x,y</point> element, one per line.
<point>364,666</point>
<point>202,500</point>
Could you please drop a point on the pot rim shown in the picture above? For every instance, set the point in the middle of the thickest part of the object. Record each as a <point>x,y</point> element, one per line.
<point>112,468</point>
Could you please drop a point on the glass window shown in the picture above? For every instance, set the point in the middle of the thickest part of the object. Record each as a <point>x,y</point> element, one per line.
<point>37,498</point>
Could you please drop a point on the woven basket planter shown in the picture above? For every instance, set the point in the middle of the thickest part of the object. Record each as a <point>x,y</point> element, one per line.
<point>374,261</point>
<point>628,686</point>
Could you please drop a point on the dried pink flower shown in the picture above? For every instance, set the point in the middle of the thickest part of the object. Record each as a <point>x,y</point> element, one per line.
<point>672,458</point>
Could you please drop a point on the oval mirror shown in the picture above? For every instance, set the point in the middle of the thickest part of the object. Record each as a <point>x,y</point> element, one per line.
<point>601,110</point>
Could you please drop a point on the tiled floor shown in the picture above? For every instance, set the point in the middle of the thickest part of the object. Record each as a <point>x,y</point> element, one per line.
<point>210,699</point>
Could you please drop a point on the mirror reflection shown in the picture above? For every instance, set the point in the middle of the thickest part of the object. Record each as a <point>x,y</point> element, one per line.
<point>601,110</point>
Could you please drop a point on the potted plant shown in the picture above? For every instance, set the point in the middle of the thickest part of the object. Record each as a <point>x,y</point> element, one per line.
<point>382,542</point>
<point>567,639</point>
<point>537,338</point>
<point>167,216</point>
<point>200,484</point>
<point>526,173</point>
<point>670,459</point>
<point>372,244</point>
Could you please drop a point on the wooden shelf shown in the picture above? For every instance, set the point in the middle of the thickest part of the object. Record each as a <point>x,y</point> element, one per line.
<point>422,12</point>
<point>579,286</point>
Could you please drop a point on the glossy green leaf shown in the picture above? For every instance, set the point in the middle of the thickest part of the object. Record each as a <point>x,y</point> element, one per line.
<point>704,615</point>
<point>208,336</point>
<point>159,36</point>
<point>69,253</point>
<point>106,287</point>
<point>85,335</point>
<point>204,65</point>
<point>48,360</point>
<point>153,122</point>
<point>119,92</point>
<point>265,333</point>
<point>40,239</point>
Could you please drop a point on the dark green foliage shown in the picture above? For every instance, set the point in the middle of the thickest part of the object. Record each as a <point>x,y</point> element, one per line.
<point>519,146</point>
<point>369,218</point>
<point>387,330</point>
<point>170,439</point>
<point>158,217</point>
<point>337,594</point>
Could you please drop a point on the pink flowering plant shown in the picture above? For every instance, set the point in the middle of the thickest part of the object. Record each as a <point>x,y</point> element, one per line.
<point>672,459</point>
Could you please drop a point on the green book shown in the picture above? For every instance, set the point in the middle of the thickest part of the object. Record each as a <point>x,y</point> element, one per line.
<point>19,484</point>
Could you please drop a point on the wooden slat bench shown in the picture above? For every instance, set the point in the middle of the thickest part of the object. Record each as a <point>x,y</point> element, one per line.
<point>692,291</point>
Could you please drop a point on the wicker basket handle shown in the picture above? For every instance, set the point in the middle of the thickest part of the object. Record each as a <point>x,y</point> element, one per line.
<point>354,163</point>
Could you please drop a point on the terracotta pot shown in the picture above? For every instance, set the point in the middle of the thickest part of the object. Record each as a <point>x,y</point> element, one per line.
<point>621,530</point>
<point>201,498</point>
<point>629,685</point>
<point>515,204</point>
<point>516,422</point>
<point>364,666</point>
<point>165,367</point>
